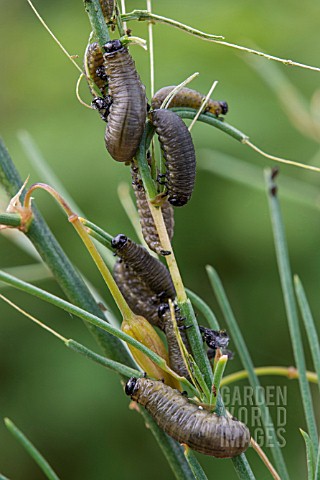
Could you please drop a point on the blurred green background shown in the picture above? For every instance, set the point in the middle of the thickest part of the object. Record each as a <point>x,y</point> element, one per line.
<point>73,410</point>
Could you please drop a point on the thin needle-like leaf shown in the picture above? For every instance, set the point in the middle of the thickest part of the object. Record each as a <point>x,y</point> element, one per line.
<point>309,325</point>
<point>310,455</point>
<point>204,308</point>
<point>317,472</point>
<point>238,340</point>
<point>289,300</point>
<point>194,464</point>
<point>31,450</point>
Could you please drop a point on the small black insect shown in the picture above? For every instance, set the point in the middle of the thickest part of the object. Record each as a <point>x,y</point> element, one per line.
<point>178,151</point>
<point>148,268</point>
<point>201,430</point>
<point>128,111</point>
<point>148,227</point>
<point>186,97</point>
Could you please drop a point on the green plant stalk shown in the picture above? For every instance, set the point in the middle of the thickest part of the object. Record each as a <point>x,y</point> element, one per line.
<point>99,238</point>
<point>217,377</point>
<point>196,343</point>
<point>92,226</point>
<point>98,23</point>
<point>31,450</point>
<point>194,464</point>
<point>105,362</point>
<point>311,461</point>
<point>10,219</point>
<point>242,467</point>
<point>119,21</point>
<point>317,472</point>
<point>244,355</point>
<point>170,448</point>
<point>2,477</point>
<point>288,372</point>
<point>141,159</point>
<point>195,340</point>
<point>115,366</point>
<point>144,15</point>
<point>185,306</point>
<point>193,334</point>
<point>54,257</point>
<point>290,304</point>
<point>203,308</point>
<point>309,326</point>
<point>212,120</point>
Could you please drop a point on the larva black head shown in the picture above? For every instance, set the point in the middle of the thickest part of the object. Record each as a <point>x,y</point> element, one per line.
<point>119,241</point>
<point>130,386</point>
<point>112,46</point>
<point>224,107</point>
<point>163,308</point>
<point>177,201</point>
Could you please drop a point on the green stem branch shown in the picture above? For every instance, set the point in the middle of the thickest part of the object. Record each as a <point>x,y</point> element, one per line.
<point>289,301</point>
<point>10,220</point>
<point>31,450</point>
<point>98,23</point>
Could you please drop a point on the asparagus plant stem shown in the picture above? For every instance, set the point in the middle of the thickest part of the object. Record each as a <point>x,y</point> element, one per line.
<point>194,464</point>
<point>289,300</point>
<point>217,377</point>
<point>242,349</point>
<point>31,449</point>
<point>10,219</point>
<point>97,21</point>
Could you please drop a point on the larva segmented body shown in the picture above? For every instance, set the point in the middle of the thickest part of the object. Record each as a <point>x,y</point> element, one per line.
<point>128,111</point>
<point>176,361</point>
<point>189,98</point>
<point>94,68</point>
<point>205,432</point>
<point>148,268</point>
<point>140,298</point>
<point>178,150</point>
<point>107,7</point>
<point>148,227</point>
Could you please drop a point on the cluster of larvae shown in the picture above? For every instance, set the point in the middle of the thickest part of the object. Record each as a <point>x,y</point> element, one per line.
<point>143,279</point>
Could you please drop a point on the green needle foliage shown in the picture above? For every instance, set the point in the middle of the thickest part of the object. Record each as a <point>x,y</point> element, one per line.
<point>31,450</point>
<point>290,303</point>
<point>310,455</point>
